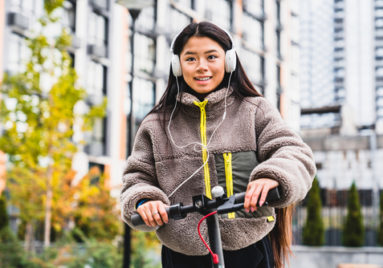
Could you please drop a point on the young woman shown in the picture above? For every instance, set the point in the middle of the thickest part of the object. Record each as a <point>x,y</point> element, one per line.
<point>211,127</point>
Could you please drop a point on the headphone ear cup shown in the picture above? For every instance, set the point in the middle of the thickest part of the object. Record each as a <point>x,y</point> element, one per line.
<point>230,61</point>
<point>176,66</point>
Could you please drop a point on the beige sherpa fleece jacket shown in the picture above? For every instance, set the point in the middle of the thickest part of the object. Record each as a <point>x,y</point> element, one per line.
<point>156,166</point>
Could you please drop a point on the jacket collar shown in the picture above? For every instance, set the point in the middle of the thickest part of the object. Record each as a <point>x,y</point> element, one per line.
<point>214,98</point>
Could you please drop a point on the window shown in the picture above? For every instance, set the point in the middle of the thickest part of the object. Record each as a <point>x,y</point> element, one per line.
<point>279,87</point>
<point>379,91</point>
<point>18,53</point>
<point>379,22</point>
<point>95,80</point>
<point>97,32</point>
<point>220,16</point>
<point>146,54</point>
<point>339,72</point>
<point>27,7</point>
<point>379,71</point>
<point>379,52</point>
<point>69,16</point>
<point>176,20</point>
<point>253,66</point>
<point>253,32</point>
<point>146,20</point>
<point>144,99</point>
<point>255,7</point>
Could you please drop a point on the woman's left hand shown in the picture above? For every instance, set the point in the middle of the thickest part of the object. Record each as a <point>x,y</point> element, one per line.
<point>257,190</point>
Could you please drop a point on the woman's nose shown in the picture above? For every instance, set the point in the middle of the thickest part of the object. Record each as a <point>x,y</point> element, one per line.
<point>202,64</point>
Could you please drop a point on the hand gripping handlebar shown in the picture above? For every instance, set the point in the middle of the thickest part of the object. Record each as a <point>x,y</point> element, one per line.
<point>204,205</point>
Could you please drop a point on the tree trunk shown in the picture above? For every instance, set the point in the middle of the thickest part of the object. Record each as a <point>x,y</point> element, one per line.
<point>48,209</point>
<point>29,238</point>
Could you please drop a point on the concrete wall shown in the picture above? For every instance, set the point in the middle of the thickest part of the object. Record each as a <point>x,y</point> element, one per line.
<point>331,257</point>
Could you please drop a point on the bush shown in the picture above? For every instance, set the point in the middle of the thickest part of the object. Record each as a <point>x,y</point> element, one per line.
<point>12,253</point>
<point>71,254</point>
<point>313,230</point>
<point>145,250</point>
<point>353,231</point>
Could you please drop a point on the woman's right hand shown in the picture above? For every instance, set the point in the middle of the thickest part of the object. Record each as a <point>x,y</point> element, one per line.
<point>153,213</point>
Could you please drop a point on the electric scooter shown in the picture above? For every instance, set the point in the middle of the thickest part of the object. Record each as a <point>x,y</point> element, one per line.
<point>209,208</point>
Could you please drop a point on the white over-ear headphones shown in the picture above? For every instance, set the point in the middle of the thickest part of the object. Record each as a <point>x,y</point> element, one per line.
<point>230,58</point>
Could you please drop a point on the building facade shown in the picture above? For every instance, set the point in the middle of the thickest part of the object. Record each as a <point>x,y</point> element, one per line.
<point>341,110</point>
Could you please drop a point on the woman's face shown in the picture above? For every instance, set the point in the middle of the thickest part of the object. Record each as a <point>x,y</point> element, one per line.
<point>203,64</point>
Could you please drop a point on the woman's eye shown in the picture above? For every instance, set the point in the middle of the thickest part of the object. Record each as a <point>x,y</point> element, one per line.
<point>212,57</point>
<point>190,59</point>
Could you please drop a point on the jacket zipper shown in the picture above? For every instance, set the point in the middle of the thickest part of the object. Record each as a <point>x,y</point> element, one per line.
<point>229,179</point>
<point>202,105</point>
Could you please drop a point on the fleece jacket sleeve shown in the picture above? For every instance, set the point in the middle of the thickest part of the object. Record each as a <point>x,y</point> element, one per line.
<point>139,178</point>
<point>283,156</point>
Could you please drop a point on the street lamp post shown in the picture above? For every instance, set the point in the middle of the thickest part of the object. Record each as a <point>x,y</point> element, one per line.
<point>134,7</point>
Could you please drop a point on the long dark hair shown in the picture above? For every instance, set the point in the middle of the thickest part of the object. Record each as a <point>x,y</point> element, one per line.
<point>281,235</point>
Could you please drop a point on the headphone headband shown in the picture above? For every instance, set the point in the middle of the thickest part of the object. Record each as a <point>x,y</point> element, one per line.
<point>176,36</point>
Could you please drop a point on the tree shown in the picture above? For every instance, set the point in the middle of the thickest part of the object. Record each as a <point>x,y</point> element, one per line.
<point>313,230</point>
<point>38,115</point>
<point>96,213</point>
<point>353,231</point>
<point>380,232</point>
<point>3,213</point>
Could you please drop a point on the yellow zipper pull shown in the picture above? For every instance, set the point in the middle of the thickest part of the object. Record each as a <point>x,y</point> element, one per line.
<point>229,179</point>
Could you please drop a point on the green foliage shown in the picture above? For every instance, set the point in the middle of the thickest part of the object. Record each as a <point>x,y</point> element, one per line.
<point>313,230</point>
<point>3,213</point>
<point>11,251</point>
<point>38,115</point>
<point>353,231</point>
<point>144,245</point>
<point>65,253</point>
<point>380,232</point>
<point>91,253</point>
<point>51,5</point>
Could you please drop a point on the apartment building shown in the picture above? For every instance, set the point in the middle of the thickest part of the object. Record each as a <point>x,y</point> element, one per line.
<point>341,83</point>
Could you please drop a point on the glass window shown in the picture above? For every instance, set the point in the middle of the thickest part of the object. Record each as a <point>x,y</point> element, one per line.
<point>145,54</point>
<point>145,21</point>
<point>379,91</point>
<point>144,98</point>
<point>379,71</point>
<point>28,7</point>
<point>379,51</point>
<point>220,16</point>
<point>255,7</point>
<point>176,21</point>
<point>252,65</point>
<point>95,79</point>
<point>379,22</point>
<point>97,29</point>
<point>253,32</point>
<point>69,16</point>
<point>379,102</point>
<point>96,140</point>
<point>339,72</point>
<point>18,53</point>
<point>379,13</point>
